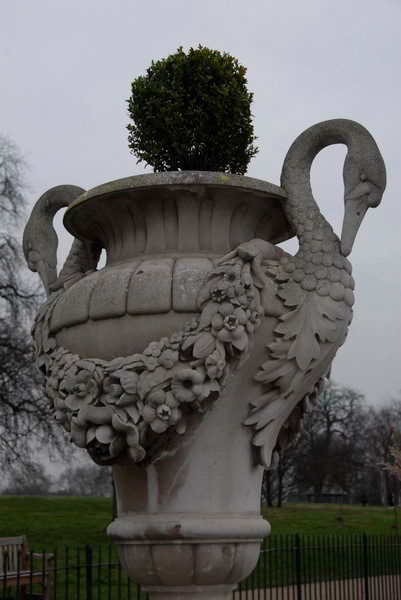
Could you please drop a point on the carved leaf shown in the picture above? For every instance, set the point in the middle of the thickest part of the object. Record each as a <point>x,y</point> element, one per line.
<point>208,313</point>
<point>240,342</point>
<point>272,370</point>
<point>147,381</point>
<point>190,341</point>
<point>304,348</point>
<point>311,322</point>
<point>133,412</point>
<point>314,319</point>
<point>292,294</point>
<point>129,381</point>
<point>204,345</point>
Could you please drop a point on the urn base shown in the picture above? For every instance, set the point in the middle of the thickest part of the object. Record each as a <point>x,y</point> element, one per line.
<point>179,556</point>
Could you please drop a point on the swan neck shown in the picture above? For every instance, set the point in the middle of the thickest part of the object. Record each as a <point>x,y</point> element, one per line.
<point>295,176</point>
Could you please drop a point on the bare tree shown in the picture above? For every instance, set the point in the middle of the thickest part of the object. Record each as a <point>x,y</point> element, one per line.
<point>88,480</point>
<point>279,481</point>
<point>384,426</point>
<point>330,451</point>
<point>36,482</point>
<point>395,451</point>
<point>25,418</point>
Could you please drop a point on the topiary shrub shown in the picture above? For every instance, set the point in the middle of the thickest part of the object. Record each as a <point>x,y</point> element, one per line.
<point>192,112</point>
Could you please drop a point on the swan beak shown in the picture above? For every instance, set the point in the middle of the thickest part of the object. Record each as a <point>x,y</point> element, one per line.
<point>46,273</point>
<point>356,205</point>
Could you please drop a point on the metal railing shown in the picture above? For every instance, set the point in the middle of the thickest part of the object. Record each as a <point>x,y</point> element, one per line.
<point>290,567</point>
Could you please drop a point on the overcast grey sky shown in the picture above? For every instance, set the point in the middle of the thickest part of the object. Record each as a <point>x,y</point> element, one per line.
<point>66,68</point>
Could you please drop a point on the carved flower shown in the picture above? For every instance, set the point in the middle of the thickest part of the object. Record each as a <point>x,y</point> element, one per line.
<point>191,325</point>
<point>80,386</point>
<point>215,364</point>
<point>154,349</point>
<point>150,362</point>
<point>236,291</point>
<point>161,410</point>
<point>256,315</point>
<point>109,439</point>
<point>112,388</point>
<point>236,335</point>
<point>187,385</point>
<point>218,295</point>
<point>223,323</point>
<point>232,275</point>
<point>168,358</point>
<point>175,340</point>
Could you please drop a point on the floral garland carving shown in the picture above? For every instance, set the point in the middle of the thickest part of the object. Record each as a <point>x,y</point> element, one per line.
<point>125,406</point>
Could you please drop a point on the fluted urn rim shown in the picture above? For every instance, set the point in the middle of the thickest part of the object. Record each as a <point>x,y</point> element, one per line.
<point>191,180</point>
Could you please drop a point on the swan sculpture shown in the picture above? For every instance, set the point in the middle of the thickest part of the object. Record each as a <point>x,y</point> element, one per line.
<point>40,241</point>
<point>315,287</point>
<point>134,405</point>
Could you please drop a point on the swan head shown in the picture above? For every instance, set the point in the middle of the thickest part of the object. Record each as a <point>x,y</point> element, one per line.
<point>365,182</point>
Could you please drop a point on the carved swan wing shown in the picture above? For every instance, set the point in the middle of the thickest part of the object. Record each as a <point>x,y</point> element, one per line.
<point>315,287</point>
<point>40,240</point>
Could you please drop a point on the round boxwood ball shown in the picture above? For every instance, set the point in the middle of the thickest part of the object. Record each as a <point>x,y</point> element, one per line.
<point>192,112</point>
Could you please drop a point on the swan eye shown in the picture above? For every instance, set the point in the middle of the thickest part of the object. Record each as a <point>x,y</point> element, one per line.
<point>363,177</point>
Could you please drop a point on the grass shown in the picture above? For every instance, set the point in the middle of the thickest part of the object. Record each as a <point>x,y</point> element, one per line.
<point>58,521</point>
<point>315,519</point>
<point>52,521</point>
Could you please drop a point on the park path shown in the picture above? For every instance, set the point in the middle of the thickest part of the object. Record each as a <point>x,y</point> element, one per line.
<point>386,587</point>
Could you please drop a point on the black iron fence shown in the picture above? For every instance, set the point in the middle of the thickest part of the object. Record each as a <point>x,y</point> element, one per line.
<point>290,567</point>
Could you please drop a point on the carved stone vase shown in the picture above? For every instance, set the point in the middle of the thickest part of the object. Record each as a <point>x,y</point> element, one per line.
<point>188,495</point>
<point>189,360</point>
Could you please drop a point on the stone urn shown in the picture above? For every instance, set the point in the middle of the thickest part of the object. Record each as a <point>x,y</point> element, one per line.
<point>189,360</point>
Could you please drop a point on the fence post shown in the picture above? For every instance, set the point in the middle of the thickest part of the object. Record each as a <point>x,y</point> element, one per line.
<point>365,565</point>
<point>298,574</point>
<point>88,568</point>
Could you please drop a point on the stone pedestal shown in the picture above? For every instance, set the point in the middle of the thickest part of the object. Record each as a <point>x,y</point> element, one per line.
<point>189,524</point>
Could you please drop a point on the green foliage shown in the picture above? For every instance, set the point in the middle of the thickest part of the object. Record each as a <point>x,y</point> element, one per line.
<point>192,112</point>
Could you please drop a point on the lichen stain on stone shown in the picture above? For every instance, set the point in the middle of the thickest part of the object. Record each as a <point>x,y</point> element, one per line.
<point>224,178</point>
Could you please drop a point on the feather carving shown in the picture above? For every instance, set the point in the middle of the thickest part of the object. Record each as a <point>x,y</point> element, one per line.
<point>315,287</point>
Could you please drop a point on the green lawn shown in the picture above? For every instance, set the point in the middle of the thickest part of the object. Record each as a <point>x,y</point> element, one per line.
<point>58,521</point>
<point>314,519</point>
<point>55,520</point>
